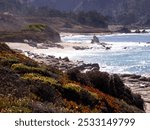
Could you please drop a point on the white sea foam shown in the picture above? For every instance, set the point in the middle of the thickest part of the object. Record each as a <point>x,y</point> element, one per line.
<point>129,53</point>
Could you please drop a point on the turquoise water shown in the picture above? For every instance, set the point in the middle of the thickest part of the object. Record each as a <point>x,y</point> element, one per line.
<point>135,59</point>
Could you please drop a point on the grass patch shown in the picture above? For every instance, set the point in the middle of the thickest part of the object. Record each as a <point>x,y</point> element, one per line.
<point>33,76</point>
<point>72,86</point>
<point>80,95</point>
<point>4,36</point>
<point>37,27</point>
<point>21,68</point>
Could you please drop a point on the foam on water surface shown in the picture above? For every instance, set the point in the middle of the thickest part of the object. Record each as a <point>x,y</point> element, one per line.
<point>130,53</point>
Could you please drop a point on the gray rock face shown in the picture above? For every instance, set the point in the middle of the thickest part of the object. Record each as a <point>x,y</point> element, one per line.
<point>140,85</point>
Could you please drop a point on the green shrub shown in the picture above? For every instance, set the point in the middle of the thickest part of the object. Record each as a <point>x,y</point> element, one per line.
<point>21,68</point>
<point>44,79</point>
<point>72,86</point>
<point>36,27</point>
<point>80,95</point>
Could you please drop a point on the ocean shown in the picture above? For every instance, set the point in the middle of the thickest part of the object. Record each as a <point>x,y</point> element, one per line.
<point>129,53</point>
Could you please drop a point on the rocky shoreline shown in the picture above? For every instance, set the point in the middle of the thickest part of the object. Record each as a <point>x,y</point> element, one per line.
<point>63,64</point>
<point>137,83</point>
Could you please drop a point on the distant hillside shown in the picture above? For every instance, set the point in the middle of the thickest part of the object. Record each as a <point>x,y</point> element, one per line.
<point>121,11</point>
<point>14,19</point>
<point>80,12</point>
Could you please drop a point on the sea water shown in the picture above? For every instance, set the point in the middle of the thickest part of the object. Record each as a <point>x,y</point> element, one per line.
<point>129,53</point>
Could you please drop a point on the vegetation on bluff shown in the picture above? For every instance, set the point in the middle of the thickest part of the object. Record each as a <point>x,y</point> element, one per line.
<point>36,32</point>
<point>27,86</point>
<point>36,27</point>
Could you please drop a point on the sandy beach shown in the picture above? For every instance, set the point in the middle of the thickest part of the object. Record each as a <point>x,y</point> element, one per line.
<point>67,50</point>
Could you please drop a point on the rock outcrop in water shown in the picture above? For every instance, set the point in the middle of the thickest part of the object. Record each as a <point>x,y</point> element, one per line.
<point>95,39</point>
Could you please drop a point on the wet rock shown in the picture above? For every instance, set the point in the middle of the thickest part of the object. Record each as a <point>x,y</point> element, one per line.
<point>108,48</point>
<point>66,59</point>
<point>80,48</point>
<point>48,44</point>
<point>144,31</point>
<point>137,31</point>
<point>102,44</point>
<point>95,39</point>
<point>88,67</point>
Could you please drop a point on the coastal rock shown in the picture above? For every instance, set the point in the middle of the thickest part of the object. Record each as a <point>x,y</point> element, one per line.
<point>137,31</point>
<point>80,48</point>
<point>95,39</point>
<point>108,48</point>
<point>124,30</point>
<point>139,84</point>
<point>125,47</point>
<point>102,44</point>
<point>66,59</point>
<point>31,43</point>
<point>52,44</point>
<point>63,64</point>
<point>110,84</point>
<point>88,67</point>
<point>144,31</point>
